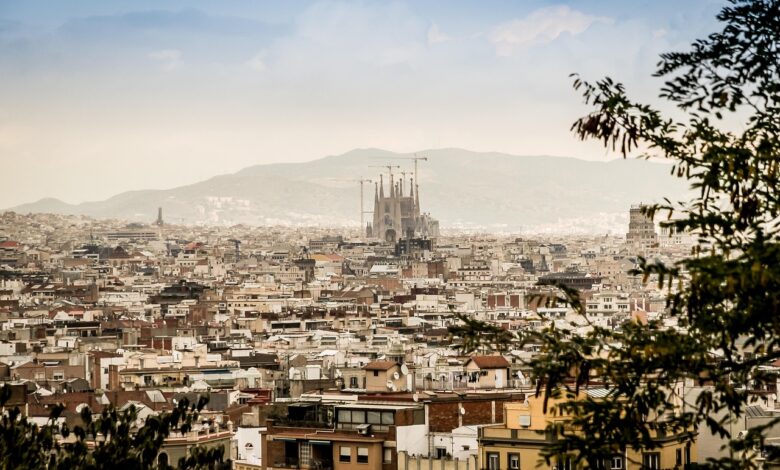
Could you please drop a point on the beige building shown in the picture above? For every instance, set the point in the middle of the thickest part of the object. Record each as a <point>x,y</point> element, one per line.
<point>384,376</point>
<point>521,441</point>
<point>488,372</point>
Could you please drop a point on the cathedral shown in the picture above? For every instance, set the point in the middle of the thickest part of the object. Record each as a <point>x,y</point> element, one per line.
<point>397,215</point>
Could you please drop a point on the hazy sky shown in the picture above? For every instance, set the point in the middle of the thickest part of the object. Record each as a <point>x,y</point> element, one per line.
<point>99,97</point>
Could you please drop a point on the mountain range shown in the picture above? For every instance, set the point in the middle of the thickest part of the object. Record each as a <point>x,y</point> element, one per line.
<point>459,187</point>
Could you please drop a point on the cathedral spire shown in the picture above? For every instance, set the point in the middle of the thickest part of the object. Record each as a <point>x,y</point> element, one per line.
<point>392,186</point>
<point>381,187</point>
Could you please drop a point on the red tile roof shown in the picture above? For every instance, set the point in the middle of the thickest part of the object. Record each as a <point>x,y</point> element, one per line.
<point>380,365</point>
<point>490,362</point>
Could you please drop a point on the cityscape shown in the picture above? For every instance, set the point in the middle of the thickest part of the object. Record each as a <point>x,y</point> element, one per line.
<point>202,305</point>
<point>310,341</point>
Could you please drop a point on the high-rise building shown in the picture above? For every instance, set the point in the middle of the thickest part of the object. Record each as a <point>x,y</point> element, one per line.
<point>641,229</point>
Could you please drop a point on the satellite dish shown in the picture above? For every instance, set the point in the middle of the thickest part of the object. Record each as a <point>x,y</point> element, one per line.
<point>404,369</point>
<point>338,373</point>
<point>416,397</point>
<point>396,375</point>
<point>389,384</point>
<point>462,411</point>
<point>394,388</point>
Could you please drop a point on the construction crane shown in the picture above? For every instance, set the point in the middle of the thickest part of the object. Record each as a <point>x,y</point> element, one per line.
<point>389,168</point>
<point>416,159</point>
<point>361,181</point>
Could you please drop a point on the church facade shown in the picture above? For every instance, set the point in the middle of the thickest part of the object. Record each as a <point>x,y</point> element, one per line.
<point>397,214</point>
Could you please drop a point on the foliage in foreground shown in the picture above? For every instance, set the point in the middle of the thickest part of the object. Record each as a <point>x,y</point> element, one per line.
<point>109,439</point>
<point>726,294</point>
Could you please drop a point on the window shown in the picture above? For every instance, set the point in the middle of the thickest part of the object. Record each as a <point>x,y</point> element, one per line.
<point>492,461</point>
<point>353,382</point>
<point>379,420</point>
<point>362,455</point>
<point>514,461</point>
<point>376,373</point>
<point>388,455</point>
<point>678,456</point>
<point>374,417</point>
<point>387,417</point>
<point>617,463</point>
<point>345,454</point>
<point>651,461</point>
<point>441,452</point>
<point>688,453</point>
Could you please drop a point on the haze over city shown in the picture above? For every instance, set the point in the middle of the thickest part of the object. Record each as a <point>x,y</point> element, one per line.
<point>99,97</point>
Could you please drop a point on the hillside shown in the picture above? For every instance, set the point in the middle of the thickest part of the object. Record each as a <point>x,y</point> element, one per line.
<point>459,187</point>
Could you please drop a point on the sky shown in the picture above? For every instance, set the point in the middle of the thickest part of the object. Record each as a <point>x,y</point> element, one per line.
<point>100,97</point>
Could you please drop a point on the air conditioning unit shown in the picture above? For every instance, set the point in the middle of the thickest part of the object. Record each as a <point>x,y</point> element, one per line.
<point>364,429</point>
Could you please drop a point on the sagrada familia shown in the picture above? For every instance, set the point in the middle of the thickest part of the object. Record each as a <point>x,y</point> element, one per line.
<point>398,215</point>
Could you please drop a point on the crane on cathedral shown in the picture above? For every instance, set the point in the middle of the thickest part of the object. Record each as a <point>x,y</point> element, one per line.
<point>397,215</point>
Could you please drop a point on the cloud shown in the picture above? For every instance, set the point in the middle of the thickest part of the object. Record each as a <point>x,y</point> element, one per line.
<point>168,58</point>
<point>435,35</point>
<point>539,27</point>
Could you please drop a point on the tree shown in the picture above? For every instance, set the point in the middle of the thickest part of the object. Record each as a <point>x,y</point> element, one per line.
<point>108,439</point>
<point>726,294</point>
